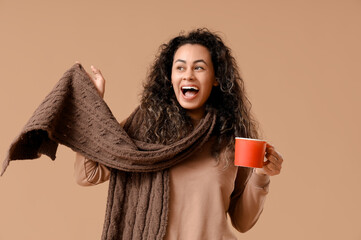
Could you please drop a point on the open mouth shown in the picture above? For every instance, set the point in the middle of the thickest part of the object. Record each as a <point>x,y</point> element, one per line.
<point>189,91</point>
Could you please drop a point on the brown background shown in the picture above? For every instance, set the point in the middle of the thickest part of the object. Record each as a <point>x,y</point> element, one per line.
<point>301,61</point>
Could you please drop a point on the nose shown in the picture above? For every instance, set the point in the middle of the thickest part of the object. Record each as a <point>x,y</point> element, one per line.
<point>188,75</point>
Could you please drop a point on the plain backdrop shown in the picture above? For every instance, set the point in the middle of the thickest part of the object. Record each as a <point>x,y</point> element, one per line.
<point>301,61</point>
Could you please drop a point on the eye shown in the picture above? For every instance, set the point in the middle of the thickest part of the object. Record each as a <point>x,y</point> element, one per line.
<point>199,68</point>
<point>180,68</point>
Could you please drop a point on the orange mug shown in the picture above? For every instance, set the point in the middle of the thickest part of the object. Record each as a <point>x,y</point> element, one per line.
<point>249,152</point>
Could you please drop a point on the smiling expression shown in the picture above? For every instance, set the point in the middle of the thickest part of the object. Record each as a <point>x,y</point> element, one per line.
<point>193,78</point>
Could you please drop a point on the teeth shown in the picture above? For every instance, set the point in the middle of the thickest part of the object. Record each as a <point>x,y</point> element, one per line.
<point>190,88</point>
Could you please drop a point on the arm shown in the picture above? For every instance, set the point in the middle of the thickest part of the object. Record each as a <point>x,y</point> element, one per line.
<point>88,172</point>
<point>247,201</point>
<point>248,197</point>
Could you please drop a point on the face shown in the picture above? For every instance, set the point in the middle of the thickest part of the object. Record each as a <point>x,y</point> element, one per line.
<point>193,78</point>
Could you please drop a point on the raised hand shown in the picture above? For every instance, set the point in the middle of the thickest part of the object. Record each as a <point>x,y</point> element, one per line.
<point>97,79</point>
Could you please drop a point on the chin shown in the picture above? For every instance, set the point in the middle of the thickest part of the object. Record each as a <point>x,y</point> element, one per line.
<point>189,107</point>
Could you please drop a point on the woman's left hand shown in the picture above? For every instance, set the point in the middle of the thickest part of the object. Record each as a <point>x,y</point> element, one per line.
<point>273,164</point>
<point>97,79</point>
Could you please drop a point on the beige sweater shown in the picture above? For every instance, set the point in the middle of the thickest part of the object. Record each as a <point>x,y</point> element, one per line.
<point>200,196</point>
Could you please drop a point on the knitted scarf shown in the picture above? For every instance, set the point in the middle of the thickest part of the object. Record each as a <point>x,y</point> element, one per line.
<point>73,114</point>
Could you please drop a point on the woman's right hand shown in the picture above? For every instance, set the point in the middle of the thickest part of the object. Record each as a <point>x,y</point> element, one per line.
<point>97,79</point>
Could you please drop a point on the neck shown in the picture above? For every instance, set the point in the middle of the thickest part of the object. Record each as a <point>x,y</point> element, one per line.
<point>196,115</point>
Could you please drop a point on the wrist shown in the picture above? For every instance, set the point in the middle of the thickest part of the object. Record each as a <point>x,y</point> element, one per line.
<point>259,171</point>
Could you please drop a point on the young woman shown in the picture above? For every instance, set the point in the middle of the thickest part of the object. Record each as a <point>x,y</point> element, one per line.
<point>193,74</point>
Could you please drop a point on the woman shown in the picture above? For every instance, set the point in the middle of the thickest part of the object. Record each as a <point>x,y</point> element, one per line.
<point>194,74</point>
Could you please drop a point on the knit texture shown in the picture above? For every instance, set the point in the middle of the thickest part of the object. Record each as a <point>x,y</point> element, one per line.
<point>73,114</point>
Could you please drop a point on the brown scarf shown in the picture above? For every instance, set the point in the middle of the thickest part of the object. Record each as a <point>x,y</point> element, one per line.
<point>73,114</point>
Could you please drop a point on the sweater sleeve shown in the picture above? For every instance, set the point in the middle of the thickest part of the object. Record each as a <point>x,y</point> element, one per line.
<point>247,201</point>
<point>88,172</point>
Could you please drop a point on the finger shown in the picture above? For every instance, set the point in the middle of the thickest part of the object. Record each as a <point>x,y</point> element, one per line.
<point>273,151</point>
<point>272,159</point>
<point>277,156</point>
<point>275,168</point>
<point>98,75</point>
<point>269,148</point>
<point>96,71</point>
<point>270,151</point>
<point>272,169</point>
<point>268,145</point>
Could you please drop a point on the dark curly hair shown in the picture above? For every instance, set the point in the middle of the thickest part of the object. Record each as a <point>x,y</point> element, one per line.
<point>165,121</point>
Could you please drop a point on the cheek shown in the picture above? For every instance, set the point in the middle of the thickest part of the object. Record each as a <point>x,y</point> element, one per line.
<point>210,84</point>
<point>174,86</point>
<point>174,80</point>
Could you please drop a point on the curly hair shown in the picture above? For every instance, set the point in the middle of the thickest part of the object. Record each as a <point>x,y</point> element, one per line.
<point>165,121</point>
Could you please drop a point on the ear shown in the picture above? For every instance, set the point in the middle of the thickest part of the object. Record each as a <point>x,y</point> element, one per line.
<point>215,83</point>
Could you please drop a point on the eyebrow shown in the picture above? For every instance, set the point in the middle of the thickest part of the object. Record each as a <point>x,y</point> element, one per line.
<point>196,61</point>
